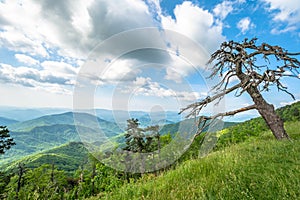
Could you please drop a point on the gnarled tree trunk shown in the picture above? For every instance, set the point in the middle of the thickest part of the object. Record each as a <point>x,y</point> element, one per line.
<point>267,111</point>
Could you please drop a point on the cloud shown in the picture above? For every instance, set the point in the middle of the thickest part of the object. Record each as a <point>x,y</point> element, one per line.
<point>223,9</point>
<point>288,103</point>
<point>196,23</point>
<point>276,31</point>
<point>286,13</point>
<point>59,68</point>
<point>146,87</point>
<point>245,24</point>
<point>73,29</point>
<point>38,79</point>
<point>120,70</point>
<point>63,33</point>
<point>198,26</point>
<point>28,60</point>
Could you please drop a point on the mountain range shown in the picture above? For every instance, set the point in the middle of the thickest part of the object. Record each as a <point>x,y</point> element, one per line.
<point>6,121</point>
<point>25,114</point>
<point>37,138</point>
<point>43,133</point>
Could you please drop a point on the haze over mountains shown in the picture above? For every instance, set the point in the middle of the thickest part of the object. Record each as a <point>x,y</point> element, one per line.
<point>37,137</point>
<point>39,130</point>
<point>24,114</point>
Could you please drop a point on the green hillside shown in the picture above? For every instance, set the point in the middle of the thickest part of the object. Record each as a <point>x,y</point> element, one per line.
<point>39,139</point>
<point>246,163</point>
<point>50,131</point>
<point>259,168</point>
<point>176,127</point>
<point>67,157</point>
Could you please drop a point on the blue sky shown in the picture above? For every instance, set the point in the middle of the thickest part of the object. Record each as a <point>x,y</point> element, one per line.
<point>47,50</point>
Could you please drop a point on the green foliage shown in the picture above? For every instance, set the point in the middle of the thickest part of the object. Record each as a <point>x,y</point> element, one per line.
<point>290,112</point>
<point>47,182</point>
<point>255,167</point>
<point>44,182</point>
<point>264,169</point>
<point>141,139</point>
<point>184,125</point>
<point>255,127</point>
<point>47,132</point>
<point>5,140</point>
<point>241,132</point>
<point>66,157</point>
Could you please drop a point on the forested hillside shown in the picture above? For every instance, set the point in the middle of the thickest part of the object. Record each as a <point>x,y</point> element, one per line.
<point>247,162</point>
<point>42,134</point>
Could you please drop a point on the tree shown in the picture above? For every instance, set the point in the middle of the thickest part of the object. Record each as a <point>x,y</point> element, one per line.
<point>22,170</point>
<point>141,140</point>
<point>134,136</point>
<point>240,61</point>
<point>5,140</point>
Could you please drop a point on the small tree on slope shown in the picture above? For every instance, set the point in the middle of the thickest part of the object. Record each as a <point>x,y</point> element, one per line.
<point>5,140</point>
<point>239,60</point>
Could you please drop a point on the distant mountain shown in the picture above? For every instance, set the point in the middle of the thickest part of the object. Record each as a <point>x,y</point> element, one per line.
<point>49,131</point>
<point>82,119</point>
<point>115,116</point>
<point>24,114</point>
<point>184,125</point>
<point>6,121</point>
<point>54,142</point>
<point>145,118</point>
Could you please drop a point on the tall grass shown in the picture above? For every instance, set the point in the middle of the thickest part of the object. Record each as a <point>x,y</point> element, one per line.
<point>259,168</point>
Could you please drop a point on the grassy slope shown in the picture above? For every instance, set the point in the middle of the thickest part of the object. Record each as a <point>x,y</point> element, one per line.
<point>258,168</point>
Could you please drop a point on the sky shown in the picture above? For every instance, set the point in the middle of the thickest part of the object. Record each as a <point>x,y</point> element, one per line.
<point>131,54</point>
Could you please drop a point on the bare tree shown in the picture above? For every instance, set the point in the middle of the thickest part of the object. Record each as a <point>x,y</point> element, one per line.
<point>21,172</point>
<point>239,60</point>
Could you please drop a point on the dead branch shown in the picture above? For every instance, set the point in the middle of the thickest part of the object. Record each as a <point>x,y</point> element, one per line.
<point>197,107</point>
<point>202,122</point>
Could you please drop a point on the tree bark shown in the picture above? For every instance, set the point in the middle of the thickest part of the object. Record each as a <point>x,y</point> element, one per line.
<point>268,113</point>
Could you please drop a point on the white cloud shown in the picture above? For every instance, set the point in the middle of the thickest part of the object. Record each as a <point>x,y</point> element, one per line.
<point>120,70</point>
<point>59,68</point>
<point>223,9</point>
<point>73,29</point>
<point>276,31</point>
<point>288,103</point>
<point>62,34</point>
<point>245,24</point>
<point>39,79</point>
<point>284,11</point>
<point>198,26</point>
<point>196,23</point>
<point>28,60</point>
<point>146,87</point>
<point>18,42</point>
